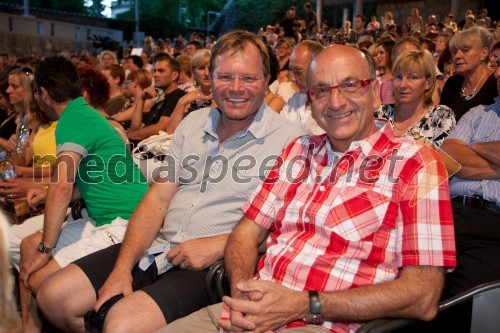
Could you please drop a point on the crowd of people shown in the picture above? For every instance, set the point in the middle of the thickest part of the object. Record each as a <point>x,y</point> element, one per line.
<point>352,173</point>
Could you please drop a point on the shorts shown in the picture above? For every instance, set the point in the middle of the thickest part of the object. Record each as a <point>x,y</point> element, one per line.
<point>177,292</point>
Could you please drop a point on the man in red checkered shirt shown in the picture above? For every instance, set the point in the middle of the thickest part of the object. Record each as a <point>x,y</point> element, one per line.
<point>358,222</point>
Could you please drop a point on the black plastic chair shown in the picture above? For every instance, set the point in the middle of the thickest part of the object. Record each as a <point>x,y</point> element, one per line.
<point>485,311</point>
<point>485,308</point>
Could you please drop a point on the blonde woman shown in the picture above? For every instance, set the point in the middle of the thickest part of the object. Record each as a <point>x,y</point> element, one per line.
<point>107,58</point>
<point>199,98</point>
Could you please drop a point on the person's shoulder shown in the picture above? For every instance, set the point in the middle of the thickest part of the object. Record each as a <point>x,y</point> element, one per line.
<point>277,122</point>
<point>178,92</point>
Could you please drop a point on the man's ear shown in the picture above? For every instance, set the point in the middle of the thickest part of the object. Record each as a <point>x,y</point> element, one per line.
<point>43,94</point>
<point>176,76</point>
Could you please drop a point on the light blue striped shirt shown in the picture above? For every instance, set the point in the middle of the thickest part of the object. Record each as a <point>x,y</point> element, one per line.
<point>480,124</point>
<point>216,178</point>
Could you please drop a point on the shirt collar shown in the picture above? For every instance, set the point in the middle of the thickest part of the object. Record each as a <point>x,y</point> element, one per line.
<point>77,102</point>
<point>372,145</point>
<point>257,128</point>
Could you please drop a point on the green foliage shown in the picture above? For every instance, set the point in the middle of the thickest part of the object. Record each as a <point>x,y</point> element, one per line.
<point>96,8</point>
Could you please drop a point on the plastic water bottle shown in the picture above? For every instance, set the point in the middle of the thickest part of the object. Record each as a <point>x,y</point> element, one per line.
<point>7,168</point>
<point>22,135</point>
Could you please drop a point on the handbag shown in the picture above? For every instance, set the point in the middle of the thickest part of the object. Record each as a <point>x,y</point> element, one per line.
<point>150,153</point>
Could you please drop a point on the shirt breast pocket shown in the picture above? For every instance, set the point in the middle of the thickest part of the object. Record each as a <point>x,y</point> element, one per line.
<point>357,213</point>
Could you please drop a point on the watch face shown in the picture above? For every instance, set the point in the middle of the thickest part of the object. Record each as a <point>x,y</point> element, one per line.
<point>314,319</point>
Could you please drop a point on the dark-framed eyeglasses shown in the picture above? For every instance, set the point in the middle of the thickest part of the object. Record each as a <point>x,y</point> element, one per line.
<point>348,88</point>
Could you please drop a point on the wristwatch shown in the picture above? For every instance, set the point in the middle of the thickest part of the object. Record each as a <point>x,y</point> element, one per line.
<point>42,248</point>
<point>314,317</point>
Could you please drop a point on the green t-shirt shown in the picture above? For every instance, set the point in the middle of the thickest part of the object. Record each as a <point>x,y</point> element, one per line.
<point>109,181</point>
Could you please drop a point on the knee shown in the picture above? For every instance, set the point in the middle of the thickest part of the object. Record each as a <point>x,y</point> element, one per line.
<point>116,322</point>
<point>50,297</point>
<point>30,244</point>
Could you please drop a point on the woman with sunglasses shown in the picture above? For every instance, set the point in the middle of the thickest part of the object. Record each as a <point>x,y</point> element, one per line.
<point>7,116</point>
<point>135,82</point>
<point>34,142</point>
<point>33,147</point>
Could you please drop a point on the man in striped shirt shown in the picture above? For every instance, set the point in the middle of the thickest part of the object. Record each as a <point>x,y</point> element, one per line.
<point>358,222</point>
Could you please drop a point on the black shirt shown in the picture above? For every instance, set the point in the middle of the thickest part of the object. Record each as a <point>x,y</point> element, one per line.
<point>452,98</point>
<point>163,108</point>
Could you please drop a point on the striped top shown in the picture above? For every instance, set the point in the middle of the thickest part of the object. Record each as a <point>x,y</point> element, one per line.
<point>216,178</point>
<point>480,124</point>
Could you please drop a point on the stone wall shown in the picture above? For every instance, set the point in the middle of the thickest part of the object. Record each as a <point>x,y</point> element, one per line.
<point>20,45</point>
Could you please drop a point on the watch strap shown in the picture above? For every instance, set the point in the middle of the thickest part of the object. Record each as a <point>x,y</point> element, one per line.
<point>314,305</point>
<point>42,248</point>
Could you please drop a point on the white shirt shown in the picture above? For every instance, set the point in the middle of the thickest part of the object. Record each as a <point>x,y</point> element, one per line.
<point>298,111</point>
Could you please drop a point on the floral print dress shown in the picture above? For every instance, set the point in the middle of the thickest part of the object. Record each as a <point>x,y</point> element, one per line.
<point>434,126</point>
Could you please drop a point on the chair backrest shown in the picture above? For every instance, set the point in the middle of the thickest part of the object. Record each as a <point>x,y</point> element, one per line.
<point>486,310</point>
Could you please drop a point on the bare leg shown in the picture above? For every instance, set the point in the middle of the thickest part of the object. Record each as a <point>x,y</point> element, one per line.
<point>135,312</point>
<point>30,317</point>
<point>65,297</point>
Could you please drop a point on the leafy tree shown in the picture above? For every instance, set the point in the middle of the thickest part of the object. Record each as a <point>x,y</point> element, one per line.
<point>95,7</point>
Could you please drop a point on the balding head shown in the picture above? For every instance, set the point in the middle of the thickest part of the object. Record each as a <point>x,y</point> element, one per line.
<point>343,94</point>
<point>300,59</point>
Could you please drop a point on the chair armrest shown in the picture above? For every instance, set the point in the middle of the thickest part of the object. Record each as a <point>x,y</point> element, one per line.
<point>389,324</point>
<point>76,209</point>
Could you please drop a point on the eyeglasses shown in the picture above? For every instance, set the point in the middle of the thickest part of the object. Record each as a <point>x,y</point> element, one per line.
<point>246,80</point>
<point>126,83</point>
<point>346,89</point>
<point>295,73</point>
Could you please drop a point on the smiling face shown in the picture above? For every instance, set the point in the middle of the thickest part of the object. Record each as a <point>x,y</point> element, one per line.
<point>236,100</point>
<point>202,75</point>
<point>15,90</point>
<point>344,117</point>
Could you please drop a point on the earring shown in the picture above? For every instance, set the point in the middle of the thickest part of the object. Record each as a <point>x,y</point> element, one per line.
<point>195,83</point>
<point>482,60</point>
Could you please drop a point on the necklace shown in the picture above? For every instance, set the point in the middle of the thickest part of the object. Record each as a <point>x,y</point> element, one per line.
<point>418,116</point>
<point>473,92</point>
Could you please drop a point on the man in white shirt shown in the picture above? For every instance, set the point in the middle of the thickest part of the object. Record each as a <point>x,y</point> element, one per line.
<point>298,108</point>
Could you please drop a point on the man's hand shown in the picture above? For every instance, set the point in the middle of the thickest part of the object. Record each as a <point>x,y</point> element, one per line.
<point>263,310</point>
<point>149,93</point>
<point>118,282</point>
<point>197,254</point>
<point>33,264</point>
<point>36,196</point>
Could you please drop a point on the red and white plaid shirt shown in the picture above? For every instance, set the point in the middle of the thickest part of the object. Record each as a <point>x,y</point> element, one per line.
<point>337,226</point>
